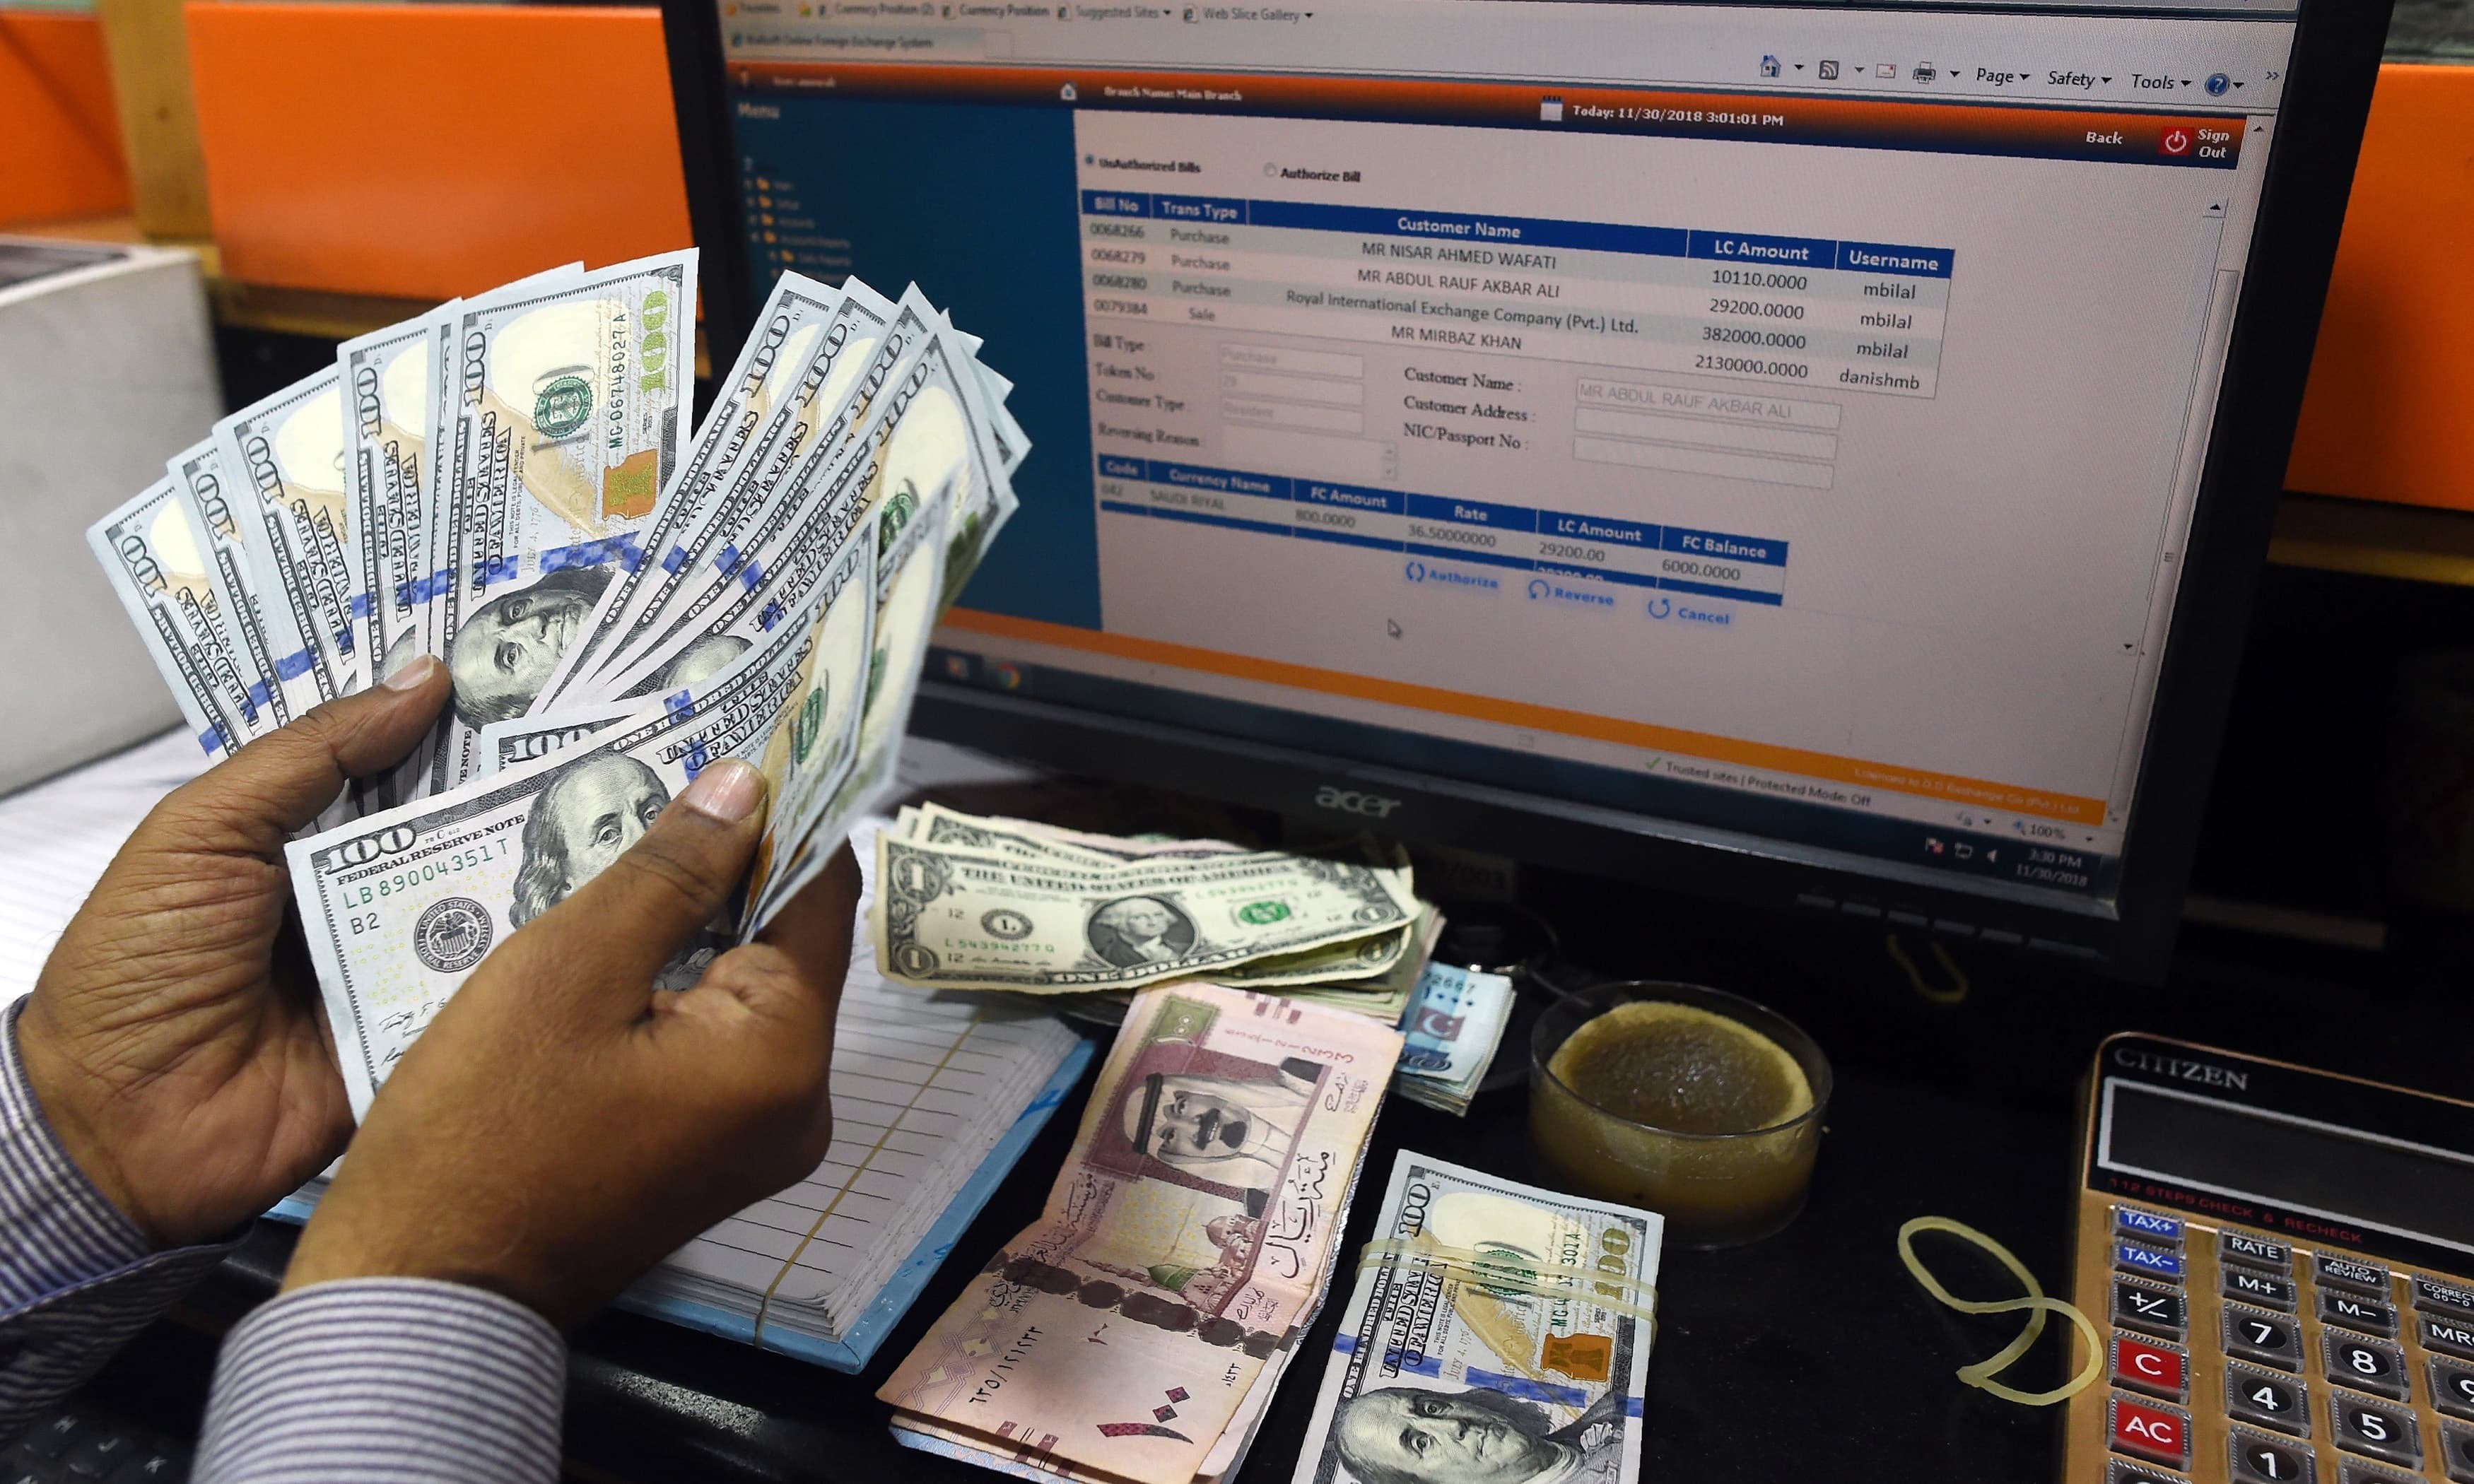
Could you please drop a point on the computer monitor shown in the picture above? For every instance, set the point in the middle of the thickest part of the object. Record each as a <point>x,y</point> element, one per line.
<point>1818,456</point>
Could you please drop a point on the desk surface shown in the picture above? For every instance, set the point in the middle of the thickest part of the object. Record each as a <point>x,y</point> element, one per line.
<point>1809,1355</point>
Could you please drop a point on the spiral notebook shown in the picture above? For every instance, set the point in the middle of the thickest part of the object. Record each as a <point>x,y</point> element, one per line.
<point>935,1098</point>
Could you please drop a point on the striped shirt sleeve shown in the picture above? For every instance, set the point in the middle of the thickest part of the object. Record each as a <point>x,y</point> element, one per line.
<point>77,1279</point>
<point>384,1381</point>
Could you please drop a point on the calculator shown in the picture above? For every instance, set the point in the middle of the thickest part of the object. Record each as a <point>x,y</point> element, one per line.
<point>2281,1264</point>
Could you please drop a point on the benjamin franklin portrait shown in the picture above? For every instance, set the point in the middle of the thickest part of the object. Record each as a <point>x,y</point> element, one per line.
<point>1132,931</point>
<point>701,660</point>
<point>504,651</point>
<point>594,809</point>
<point>1405,1435</point>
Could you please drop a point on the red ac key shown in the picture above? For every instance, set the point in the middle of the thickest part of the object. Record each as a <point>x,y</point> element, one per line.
<point>2147,1366</point>
<point>2155,1432</point>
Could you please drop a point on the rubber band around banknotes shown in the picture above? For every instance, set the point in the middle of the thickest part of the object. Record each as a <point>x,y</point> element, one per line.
<point>2036,1303</point>
<point>1519,1273</point>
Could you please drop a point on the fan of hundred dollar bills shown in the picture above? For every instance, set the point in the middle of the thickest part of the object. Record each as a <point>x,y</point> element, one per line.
<point>508,483</point>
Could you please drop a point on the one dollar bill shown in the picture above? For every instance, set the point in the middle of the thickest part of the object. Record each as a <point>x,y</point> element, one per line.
<point>952,919</point>
<point>1496,1331</point>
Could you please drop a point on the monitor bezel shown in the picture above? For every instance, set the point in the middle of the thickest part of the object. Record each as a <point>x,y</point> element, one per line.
<point>2302,205</point>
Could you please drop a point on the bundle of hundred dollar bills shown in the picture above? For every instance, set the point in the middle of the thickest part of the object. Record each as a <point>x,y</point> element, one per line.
<point>509,483</point>
<point>968,902</point>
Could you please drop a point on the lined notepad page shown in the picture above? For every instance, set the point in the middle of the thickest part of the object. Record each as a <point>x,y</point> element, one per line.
<point>923,1087</point>
<point>57,836</point>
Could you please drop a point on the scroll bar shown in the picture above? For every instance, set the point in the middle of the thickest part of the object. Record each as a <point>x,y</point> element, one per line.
<point>2198,420</point>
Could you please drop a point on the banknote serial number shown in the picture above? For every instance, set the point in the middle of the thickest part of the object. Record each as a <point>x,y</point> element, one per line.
<point>362,894</point>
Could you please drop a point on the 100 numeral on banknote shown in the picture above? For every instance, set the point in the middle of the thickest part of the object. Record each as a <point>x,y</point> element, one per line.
<point>1498,1334</point>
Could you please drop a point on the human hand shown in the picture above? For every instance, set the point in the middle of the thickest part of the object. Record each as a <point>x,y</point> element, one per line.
<point>561,1125</point>
<point>174,1037</point>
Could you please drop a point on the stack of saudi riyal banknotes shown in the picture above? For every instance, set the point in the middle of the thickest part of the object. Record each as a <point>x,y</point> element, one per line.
<point>973,903</point>
<point>509,483</point>
<point>1138,1330</point>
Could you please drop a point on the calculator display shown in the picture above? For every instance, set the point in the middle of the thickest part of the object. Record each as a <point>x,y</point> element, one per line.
<point>2276,1159</point>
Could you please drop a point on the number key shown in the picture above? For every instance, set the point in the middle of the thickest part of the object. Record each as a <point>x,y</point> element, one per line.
<point>2457,1451</point>
<point>2364,1363</point>
<point>2375,1431</point>
<point>2123,1472</point>
<point>2271,1339</point>
<point>2357,1313</point>
<point>2452,1388</point>
<point>2258,1459</point>
<point>2352,1471</point>
<point>2155,1310</point>
<point>2271,1401</point>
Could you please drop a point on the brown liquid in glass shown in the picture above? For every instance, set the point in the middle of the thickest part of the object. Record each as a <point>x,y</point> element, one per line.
<point>1680,1068</point>
<point>1640,1105</point>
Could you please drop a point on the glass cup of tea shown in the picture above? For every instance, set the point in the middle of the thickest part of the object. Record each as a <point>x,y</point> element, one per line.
<point>1691,1102</point>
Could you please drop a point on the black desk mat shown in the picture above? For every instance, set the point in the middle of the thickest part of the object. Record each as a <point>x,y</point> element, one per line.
<point>1810,1354</point>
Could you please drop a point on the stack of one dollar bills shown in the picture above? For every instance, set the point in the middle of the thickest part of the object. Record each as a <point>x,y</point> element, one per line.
<point>971,902</point>
<point>509,483</point>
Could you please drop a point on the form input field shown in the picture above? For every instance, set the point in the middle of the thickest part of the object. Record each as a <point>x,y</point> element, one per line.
<point>1290,414</point>
<point>1755,407</point>
<point>1342,461</point>
<point>1293,389</point>
<point>1298,363</point>
<point>1703,461</point>
<point>1741,436</point>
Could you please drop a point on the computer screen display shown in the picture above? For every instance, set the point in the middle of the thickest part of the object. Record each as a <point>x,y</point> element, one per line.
<point>1782,425</point>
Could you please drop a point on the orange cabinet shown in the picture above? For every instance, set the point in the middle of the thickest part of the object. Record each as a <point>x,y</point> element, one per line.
<point>59,144</point>
<point>424,151</point>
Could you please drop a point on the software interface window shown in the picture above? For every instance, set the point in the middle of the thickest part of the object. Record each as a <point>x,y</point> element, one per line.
<point>1778,423</point>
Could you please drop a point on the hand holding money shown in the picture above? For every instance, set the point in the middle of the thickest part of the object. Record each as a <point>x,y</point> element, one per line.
<point>511,1149</point>
<point>480,484</point>
<point>174,1049</point>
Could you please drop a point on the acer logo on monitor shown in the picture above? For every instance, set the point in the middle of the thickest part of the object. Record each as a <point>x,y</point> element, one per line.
<point>1348,801</point>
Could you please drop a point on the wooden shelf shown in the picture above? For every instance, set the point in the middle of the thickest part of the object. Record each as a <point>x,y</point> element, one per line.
<point>2409,542</point>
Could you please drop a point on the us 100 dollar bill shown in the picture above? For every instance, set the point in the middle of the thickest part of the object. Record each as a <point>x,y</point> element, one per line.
<point>1496,1331</point>
<point>569,420</point>
<point>261,645</point>
<point>400,906</point>
<point>156,558</point>
<point>282,465</point>
<point>736,540</point>
<point>798,317</point>
<point>387,377</point>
